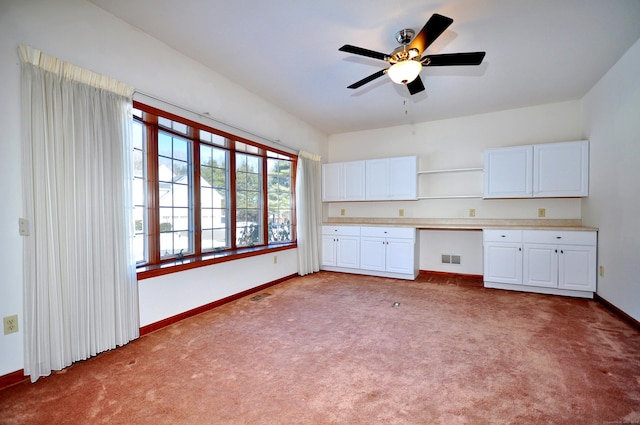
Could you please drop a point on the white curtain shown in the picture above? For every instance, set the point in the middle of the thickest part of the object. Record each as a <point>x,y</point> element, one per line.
<point>80,288</point>
<point>307,212</point>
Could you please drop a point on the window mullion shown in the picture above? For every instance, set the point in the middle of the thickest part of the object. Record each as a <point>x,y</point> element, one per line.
<point>265,201</point>
<point>232,196</point>
<point>294,220</point>
<point>153,189</point>
<point>197,204</point>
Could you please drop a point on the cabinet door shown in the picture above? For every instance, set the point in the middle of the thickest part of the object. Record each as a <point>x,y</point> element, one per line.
<point>332,178</point>
<point>400,255</point>
<point>540,266</point>
<point>503,262</point>
<point>377,179</point>
<point>392,179</point>
<point>372,253</point>
<point>508,172</point>
<point>348,252</point>
<point>577,267</point>
<point>328,250</point>
<point>403,178</point>
<point>354,180</point>
<point>561,169</point>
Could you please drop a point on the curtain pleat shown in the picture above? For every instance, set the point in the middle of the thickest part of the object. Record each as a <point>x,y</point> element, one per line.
<point>81,295</point>
<point>307,212</point>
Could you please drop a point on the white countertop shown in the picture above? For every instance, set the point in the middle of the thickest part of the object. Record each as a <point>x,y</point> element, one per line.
<point>463,223</point>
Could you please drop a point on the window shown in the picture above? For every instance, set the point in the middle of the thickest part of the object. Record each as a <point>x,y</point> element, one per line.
<point>199,192</point>
<point>280,207</point>
<point>175,198</point>
<point>249,203</point>
<point>214,197</point>
<point>139,198</point>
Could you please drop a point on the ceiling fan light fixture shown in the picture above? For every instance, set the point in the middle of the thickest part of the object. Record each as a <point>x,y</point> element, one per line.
<point>404,72</point>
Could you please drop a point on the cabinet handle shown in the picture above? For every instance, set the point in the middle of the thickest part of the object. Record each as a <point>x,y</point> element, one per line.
<point>561,251</point>
<point>556,251</point>
<point>503,236</point>
<point>519,249</point>
<point>558,237</point>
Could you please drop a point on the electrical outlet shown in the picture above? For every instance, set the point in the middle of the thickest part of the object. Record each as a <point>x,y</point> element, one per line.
<point>275,259</point>
<point>23,227</point>
<point>542,212</point>
<point>472,212</point>
<point>401,212</point>
<point>10,324</point>
<point>601,271</point>
<point>342,211</point>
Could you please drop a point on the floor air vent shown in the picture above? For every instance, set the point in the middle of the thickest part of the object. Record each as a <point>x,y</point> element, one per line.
<point>260,297</point>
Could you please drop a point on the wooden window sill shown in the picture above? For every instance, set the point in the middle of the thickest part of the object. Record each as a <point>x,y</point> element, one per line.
<point>187,263</point>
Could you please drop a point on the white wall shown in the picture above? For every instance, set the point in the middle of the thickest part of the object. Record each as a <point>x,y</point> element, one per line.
<point>172,294</point>
<point>611,119</point>
<point>459,143</point>
<point>467,244</point>
<point>78,32</point>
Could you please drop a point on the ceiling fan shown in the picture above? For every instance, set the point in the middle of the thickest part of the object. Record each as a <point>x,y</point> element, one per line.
<point>407,61</point>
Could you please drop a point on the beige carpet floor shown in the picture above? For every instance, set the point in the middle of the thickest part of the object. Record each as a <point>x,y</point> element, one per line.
<point>333,348</point>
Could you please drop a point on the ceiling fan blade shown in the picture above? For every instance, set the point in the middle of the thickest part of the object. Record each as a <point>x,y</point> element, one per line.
<point>368,79</point>
<point>416,86</point>
<point>449,59</point>
<point>428,34</point>
<point>363,52</point>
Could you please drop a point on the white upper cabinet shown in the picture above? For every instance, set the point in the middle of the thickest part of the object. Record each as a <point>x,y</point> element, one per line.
<point>508,172</point>
<point>552,170</point>
<point>561,169</point>
<point>371,180</point>
<point>343,181</point>
<point>392,179</point>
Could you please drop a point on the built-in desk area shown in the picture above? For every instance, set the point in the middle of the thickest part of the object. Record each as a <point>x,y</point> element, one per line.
<point>550,256</point>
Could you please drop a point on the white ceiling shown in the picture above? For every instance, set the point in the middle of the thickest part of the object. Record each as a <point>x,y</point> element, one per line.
<point>286,51</point>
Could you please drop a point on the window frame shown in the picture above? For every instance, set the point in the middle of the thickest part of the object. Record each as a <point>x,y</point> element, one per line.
<point>156,265</point>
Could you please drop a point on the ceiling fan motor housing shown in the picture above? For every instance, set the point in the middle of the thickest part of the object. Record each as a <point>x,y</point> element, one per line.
<point>405,36</point>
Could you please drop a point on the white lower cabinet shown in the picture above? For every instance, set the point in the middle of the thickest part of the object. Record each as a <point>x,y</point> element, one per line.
<point>566,260</point>
<point>388,249</point>
<point>540,265</point>
<point>381,251</point>
<point>341,246</point>
<point>546,261</point>
<point>503,256</point>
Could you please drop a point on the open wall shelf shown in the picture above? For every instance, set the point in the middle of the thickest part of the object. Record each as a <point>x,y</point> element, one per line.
<point>450,170</point>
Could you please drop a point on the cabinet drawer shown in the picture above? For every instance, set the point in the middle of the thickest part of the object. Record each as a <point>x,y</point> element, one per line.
<point>502,235</point>
<point>341,230</point>
<point>565,237</point>
<point>389,232</point>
